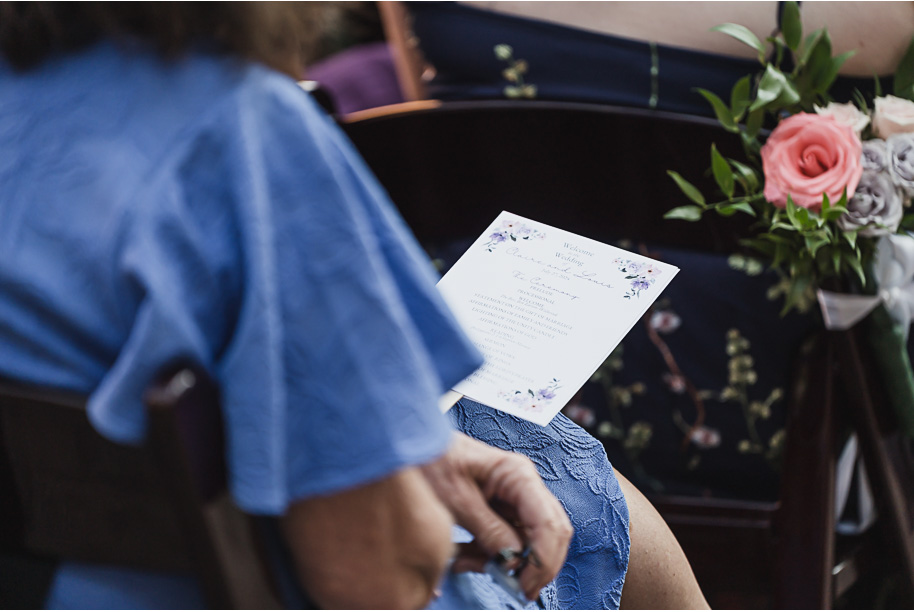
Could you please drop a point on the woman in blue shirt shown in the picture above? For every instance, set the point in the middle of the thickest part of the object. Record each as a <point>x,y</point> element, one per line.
<point>166,197</point>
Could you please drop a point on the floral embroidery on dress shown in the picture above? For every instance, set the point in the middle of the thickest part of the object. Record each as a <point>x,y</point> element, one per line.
<point>514,74</point>
<point>513,231</point>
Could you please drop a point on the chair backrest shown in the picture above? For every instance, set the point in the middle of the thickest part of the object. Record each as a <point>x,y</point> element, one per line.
<point>70,493</point>
<point>451,168</point>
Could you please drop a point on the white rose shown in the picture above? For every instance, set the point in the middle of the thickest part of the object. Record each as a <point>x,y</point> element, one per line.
<point>893,116</point>
<point>847,114</point>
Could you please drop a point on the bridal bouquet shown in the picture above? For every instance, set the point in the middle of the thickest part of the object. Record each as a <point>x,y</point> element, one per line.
<point>830,179</point>
<point>830,185</point>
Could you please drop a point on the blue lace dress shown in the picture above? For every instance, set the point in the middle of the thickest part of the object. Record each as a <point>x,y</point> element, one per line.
<point>574,467</point>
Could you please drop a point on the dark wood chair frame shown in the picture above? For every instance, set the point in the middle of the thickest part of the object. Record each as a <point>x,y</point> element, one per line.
<point>69,493</point>
<point>601,172</point>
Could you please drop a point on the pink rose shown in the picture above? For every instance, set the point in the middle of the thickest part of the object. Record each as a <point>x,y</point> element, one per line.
<point>809,155</point>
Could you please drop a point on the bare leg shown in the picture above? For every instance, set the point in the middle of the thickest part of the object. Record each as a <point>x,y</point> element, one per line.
<point>659,575</point>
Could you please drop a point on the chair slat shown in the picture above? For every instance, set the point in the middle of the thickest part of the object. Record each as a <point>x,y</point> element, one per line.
<point>161,505</point>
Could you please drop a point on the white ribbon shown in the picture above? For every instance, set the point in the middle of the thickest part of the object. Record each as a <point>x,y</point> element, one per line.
<point>894,273</point>
<point>848,465</point>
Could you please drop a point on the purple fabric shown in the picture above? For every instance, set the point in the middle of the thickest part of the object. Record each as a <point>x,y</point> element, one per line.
<point>358,78</point>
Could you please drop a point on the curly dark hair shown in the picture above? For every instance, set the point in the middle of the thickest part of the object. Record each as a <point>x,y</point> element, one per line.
<point>275,33</point>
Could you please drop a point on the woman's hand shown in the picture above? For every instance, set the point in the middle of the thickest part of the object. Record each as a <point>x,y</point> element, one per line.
<point>473,479</point>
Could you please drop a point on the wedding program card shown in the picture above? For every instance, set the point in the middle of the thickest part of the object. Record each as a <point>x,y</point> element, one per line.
<point>545,307</point>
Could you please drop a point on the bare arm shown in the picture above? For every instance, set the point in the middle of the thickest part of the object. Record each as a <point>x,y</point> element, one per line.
<point>659,575</point>
<point>382,545</point>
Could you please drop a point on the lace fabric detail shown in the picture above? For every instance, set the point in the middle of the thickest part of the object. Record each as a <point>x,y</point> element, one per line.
<point>574,467</point>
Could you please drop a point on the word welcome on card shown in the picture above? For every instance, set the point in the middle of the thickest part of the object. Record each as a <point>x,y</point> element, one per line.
<point>545,307</point>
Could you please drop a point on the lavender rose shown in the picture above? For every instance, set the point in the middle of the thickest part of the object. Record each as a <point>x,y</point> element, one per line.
<point>875,156</point>
<point>900,149</point>
<point>876,207</point>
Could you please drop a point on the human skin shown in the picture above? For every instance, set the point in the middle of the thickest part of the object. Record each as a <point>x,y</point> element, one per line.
<point>386,544</point>
<point>659,576</point>
<point>473,479</point>
<point>381,545</point>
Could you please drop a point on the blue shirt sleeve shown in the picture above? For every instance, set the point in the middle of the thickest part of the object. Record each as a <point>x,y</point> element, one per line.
<point>267,252</point>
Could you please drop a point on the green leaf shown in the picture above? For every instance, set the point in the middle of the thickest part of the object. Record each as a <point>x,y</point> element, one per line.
<point>802,215</point>
<point>780,254</point>
<point>744,35</point>
<point>720,110</point>
<point>796,293</point>
<point>814,243</point>
<point>820,61</point>
<point>834,213</point>
<point>854,263</point>
<point>850,238</point>
<point>791,27</point>
<point>769,88</point>
<point>789,95</point>
<point>792,212</point>
<point>749,177</point>
<point>783,226</point>
<point>728,210</point>
<point>903,86</point>
<point>754,122</point>
<point>778,238</point>
<point>824,82</point>
<point>809,45</point>
<point>723,175</point>
<point>836,260</point>
<point>686,213</point>
<point>842,202</point>
<point>779,50</point>
<point>860,100</point>
<point>688,188</point>
<point>739,97</point>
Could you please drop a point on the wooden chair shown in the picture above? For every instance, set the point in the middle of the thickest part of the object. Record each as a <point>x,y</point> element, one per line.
<point>68,493</point>
<point>601,172</point>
